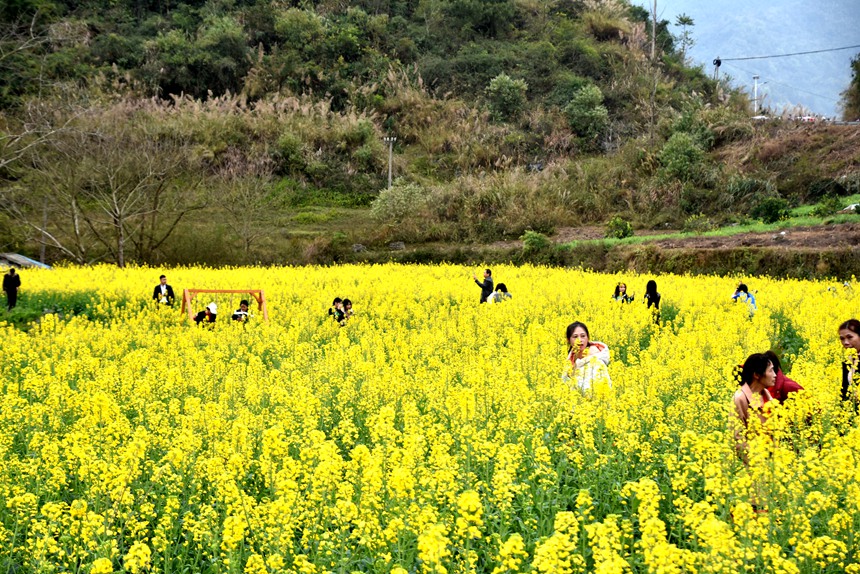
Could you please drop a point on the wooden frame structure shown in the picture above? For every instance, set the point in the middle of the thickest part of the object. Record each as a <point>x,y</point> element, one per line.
<point>188,295</point>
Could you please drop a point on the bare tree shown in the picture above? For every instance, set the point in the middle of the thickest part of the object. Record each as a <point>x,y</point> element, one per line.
<point>105,183</point>
<point>247,196</point>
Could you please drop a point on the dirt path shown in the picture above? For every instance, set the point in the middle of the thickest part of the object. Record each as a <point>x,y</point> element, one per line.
<point>817,237</point>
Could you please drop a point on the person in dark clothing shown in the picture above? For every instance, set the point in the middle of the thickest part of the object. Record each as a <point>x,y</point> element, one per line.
<point>163,293</point>
<point>849,336</point>
<point>783,385</point>
<point>336,311</point>
<point>486,286</point>
<point>207,315</point>
<point>11,284</point>
<point>652,298</point>
<point>241,314</point>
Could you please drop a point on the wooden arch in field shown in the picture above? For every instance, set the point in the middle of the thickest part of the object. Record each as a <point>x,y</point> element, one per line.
<point>259,296</point>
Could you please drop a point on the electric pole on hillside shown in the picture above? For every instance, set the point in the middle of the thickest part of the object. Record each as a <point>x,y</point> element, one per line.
<point>755,95</point>
<point>390,141</point>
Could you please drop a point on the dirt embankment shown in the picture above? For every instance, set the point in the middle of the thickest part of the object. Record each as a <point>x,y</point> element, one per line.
<point>836,236</point>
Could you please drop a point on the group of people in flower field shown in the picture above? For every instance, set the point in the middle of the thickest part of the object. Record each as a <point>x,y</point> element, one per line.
<point>163,294</point>
<point>760,378</point>
<point>340,310</point>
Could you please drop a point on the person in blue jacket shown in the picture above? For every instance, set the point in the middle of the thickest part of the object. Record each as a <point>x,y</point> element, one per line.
<point>743,293</point>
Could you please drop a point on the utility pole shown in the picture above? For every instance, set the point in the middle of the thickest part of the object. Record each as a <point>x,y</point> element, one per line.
<point>390,141</point>
<point>717,63</point>
<point>755,95</point>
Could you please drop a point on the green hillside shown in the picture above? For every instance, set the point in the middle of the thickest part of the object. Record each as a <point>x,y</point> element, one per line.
<point>224,132</point>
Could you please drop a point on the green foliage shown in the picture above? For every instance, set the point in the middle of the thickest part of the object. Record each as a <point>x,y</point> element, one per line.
<point>699,223</point>
<point>619,228</point>
<point>403,200</point>
<point>851,95</point>
<point>827,206</point>
<point>587,115</point>
<point>534,242</point>
<point>682,157</point>
<point>788,342</point>
<point>771,210</point>
<point>507,97</point>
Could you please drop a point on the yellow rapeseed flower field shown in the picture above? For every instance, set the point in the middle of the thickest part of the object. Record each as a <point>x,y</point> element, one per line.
<point>430,434</point>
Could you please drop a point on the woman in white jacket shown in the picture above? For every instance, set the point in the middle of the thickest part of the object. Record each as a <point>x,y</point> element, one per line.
<point>588,359</point>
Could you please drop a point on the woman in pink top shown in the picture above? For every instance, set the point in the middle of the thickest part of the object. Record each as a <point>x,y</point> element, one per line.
<point>755,378</point>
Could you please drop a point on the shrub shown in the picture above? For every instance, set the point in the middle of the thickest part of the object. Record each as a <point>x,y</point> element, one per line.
<point>681,157</point>
<point>698,224</point>
<point>770,210</point>
<point>395,204</point>
<point>507,97</point>
<point>534,242</point>
<point>619,228</point>
<point>827,207</point>
<point>586,113</point>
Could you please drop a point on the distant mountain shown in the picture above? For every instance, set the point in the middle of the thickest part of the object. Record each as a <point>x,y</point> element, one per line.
<point>739,28</point>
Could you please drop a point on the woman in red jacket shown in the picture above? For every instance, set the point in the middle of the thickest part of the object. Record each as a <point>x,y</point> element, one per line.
<point>783,385</point>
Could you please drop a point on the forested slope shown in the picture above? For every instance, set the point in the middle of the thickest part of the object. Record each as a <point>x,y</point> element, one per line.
<point>254,131</point>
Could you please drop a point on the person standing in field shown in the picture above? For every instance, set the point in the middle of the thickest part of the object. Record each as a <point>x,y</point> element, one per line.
<point>11,284</point>
<point>588,359</point>
<point>486,286</point>
<point>163,293</point>
<point>620,294</point>
<point>241,314</point>
<point>347,309</point>
<point>652,299</point>
<point>755,377</point>
<point>742,293</point>
<point>500,294</point>
<point>207,315</point>
<point>336,311</point>
<point>849,336</point>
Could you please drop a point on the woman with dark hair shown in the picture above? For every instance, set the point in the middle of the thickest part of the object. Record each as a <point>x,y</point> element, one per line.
<point>588,359</point>
<point>742,293</point>
<point>620,294</point>
<point>755,377</point>
<point>652,298</point>
<point>500,294</point>
<point>849,336</point>
<point>782,385</point>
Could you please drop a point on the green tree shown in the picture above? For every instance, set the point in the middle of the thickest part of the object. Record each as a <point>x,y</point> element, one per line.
<point>587,115</point>
<point>507,97</point>
<point>686,37</point>
<point>851,95</point>
<point>681,157</point>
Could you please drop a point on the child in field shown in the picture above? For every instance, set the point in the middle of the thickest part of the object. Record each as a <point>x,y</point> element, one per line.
<point>588,359</point>
<point>620,294</point>
<point>652,298</point>
<point>500,294</point>
<point>241,314</point>
<point>336,311</point>
<point>207,315</point>
<point>742,293</point>
<point>347,309</point>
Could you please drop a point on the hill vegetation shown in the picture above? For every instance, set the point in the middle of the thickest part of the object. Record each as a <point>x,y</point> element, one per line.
<point>252,131</point>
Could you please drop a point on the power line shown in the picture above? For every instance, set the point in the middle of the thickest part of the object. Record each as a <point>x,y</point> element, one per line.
<point>771,81</point>
<point>792,54</point>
